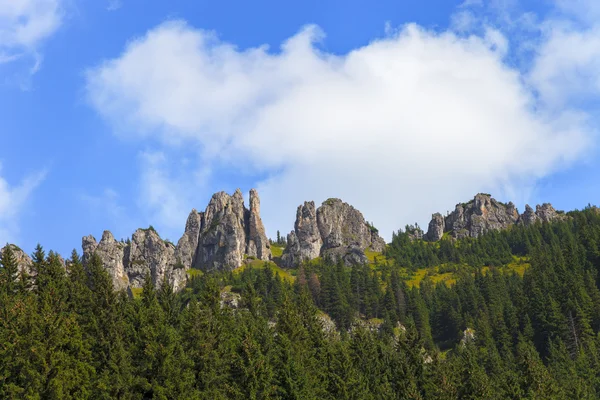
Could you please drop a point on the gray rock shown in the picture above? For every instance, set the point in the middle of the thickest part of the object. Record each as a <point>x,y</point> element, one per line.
<point>435,230</point>
<point>258,245</point>
<point>547,213</point>
<point>480,215</point>
<point>185,252</point>
<point>483,214</point>
<point>304,242</point>
<point>336,230</point>
<point>24,262</point>
<point>415,232</point>
<point>529,217</point>
<point>222,241</point>
<point>149,254</point>
<point>112,254</point>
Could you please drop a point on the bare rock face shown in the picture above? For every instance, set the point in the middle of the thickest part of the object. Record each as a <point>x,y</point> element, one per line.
<point>217,239</point>
<point>222,241</point>
<point>24,262</point>
<point>185,252</point>
<point>529,217</point>
<point>335,230</point>
<point>128,263</point>
<point>547,213</point>
<point>344,231</point>
<point>149,254</point>
<point>483,214</point>
<point>304,242</point>
<point>229,231</point>
<point>480,215</point>
<point>258,244</point>
<point>435,231</point>
<point>112,254</point>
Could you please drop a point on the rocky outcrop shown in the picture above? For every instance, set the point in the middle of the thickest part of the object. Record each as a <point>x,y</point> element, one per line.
<point>258,245</point>
<point>480,215</point>
<point>335,230</point>
<point>304,242</point>
<point>483,214</point>
<point>231,231</point>
<point>128,263</point>
<point>112,255</point>
<point>149,254</point>
<point>217,239</point>
<point>435,230</point>
<point>185,252</point>
<point>24,262</point>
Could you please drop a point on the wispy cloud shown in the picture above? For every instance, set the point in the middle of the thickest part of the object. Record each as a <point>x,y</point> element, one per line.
<point>114,5</point>
<point>25,25</point>
<point>13,198</point>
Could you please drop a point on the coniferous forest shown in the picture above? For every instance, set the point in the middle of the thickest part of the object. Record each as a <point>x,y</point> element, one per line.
<point>332,332</point>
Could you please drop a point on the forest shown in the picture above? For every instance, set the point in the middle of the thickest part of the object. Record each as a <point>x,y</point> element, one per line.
<point>331,332</point>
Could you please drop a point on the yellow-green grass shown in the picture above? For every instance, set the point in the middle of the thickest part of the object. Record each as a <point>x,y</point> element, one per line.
<point>194,272</point>
<point>258,264</point>
<point>277,250</point>
<point>517,266</point>
<point>375,257</point>
<point>137,292</point>
<point>447,277</point>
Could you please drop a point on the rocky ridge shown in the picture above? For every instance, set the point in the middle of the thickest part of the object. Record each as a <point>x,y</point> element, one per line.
<point>483,214</point>
<point>220,238</point>
<point>335,230</point>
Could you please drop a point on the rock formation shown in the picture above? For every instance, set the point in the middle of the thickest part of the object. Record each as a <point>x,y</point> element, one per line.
<point>335,230</point>
<point>217,239</point>
<point>435,230</point>
<point>258,245</point>
<point>185,252</point>
<point>483,214</point>
<point>230,231</point>
<point>149,254</point>
<point>304,242</point>
<point>112,255</point>
<point>23,260</point>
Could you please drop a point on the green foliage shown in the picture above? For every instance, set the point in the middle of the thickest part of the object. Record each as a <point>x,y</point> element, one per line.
<point>521,320</point>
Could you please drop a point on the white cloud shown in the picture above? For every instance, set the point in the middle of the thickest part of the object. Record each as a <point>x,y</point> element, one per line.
<point>24,25</point>
<point>400,128</point>
<point>12,201</point>
<point>114,5</point>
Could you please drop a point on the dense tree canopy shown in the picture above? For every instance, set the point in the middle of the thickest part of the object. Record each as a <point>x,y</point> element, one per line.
<point>332,333</point>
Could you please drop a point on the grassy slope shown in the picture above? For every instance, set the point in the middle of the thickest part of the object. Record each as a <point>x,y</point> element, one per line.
<point>258,264</point>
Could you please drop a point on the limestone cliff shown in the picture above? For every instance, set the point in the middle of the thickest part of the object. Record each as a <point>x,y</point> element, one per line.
<point>483,214</point>
<point>335,230</point>
<point>217,239</point>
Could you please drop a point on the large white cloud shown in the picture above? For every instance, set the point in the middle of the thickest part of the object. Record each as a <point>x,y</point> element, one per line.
<point>12,200</point>
<point>405,126</point>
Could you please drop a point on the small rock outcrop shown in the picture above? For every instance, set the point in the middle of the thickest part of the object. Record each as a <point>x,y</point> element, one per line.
<point>483,214</point>
<point>185,252</point>
<point>304,242</point>
<point>24,262</point>
<point>335,230</point>
<point>149,254</point>
<point>112,255</point>
<point>258,245</point>
<point>435,230</point>
<point>480,215</point>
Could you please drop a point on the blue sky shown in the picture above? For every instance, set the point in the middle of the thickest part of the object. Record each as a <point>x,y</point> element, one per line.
<point>122,114</point>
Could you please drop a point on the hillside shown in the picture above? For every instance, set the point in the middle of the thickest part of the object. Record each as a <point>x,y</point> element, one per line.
<point>511,313</point>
